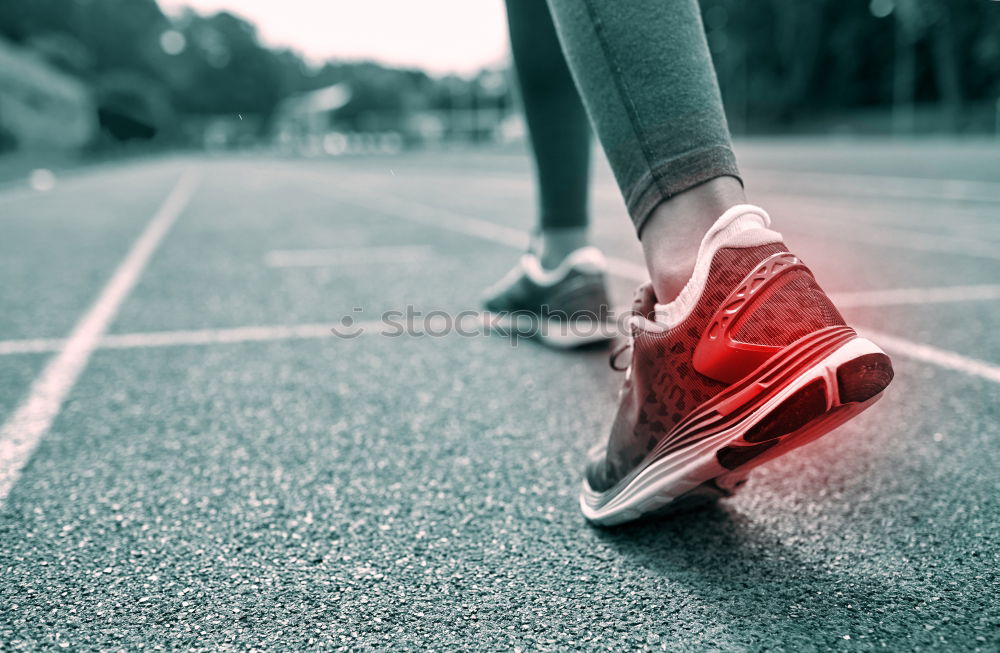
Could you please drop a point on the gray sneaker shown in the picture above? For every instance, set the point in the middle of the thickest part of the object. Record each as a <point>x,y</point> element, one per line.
<point>564,308</point>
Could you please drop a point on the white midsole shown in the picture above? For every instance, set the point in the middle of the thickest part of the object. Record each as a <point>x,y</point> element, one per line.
<point>672,476</point>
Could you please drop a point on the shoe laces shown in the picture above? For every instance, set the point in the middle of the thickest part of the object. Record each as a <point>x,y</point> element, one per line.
<point>616,354</point>
<point>635,323</point>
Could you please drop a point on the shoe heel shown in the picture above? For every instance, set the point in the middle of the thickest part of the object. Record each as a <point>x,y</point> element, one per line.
<point>860,381</point>
<point>862,378</point>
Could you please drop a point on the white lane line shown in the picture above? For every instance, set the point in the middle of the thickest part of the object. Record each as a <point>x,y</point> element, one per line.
<point>75,178</point>
<point>179,338</point>
<point>904,296</point>
<point>215,336</point>
<point>769,179</point>
<point>441,218</point>
<point>491,231</point>
<point>445,219</point>
<point>289,258</point>
<point>495,189</point>
<point>865,232</point>
<point>920,242</point>
<point>940,357</point>
<point>31,346</point>
<point>900,346</point>
<point>856,299</point>
<point>36,412</point>
<point>878,185</point>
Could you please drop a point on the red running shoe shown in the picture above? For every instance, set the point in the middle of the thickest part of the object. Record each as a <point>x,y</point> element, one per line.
<point>749,362</point>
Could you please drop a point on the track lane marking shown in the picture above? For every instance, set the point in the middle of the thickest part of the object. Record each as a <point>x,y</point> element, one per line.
<point>214,336</point>
<point>927,354</point>
<point>882,186</point>
<point>906,296</point>
<point>485,229</point>
<point>894,344</point>
<point>33,417</point>
<point>790,182</point>
<point>31,346</point>
<point>769,181</point>
<point>872,233</point>
<point>74,178</point>
<point>849,299</point>
<point>918,241</point>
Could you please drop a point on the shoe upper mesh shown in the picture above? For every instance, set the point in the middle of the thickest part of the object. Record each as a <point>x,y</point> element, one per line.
<point>790,308</point>
<point>664,387</point>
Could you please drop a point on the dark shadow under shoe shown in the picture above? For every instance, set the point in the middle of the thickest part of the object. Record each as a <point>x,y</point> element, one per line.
<point>564,308</point>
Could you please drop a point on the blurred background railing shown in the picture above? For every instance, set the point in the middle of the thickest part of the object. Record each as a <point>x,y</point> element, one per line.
<point>123,75</point>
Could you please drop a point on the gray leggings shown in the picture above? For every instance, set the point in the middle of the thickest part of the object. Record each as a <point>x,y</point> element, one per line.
<point>644,73</point>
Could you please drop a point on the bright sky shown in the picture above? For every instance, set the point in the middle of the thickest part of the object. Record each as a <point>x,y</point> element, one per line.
<point>437,35</point>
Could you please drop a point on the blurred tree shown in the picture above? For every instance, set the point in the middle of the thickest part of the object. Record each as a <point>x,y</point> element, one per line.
<point>220,67</point>
<point>946,70</point>
<point>780,62</point>
<point>783,62</point>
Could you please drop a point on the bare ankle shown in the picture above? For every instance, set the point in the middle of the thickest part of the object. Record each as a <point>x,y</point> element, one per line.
<point>673,233</point>
<point>553,245</point>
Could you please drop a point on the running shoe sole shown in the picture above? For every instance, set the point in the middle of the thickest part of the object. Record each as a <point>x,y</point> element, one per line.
<point>805,391</point>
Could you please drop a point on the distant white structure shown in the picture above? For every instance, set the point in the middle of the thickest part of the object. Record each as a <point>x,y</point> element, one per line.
<point>316,123</point>
<point>302,121</point>
<point>40,106</point>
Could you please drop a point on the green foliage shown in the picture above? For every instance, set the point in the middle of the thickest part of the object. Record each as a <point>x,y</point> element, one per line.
<point>780,61</point>
<point>203,65</point>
